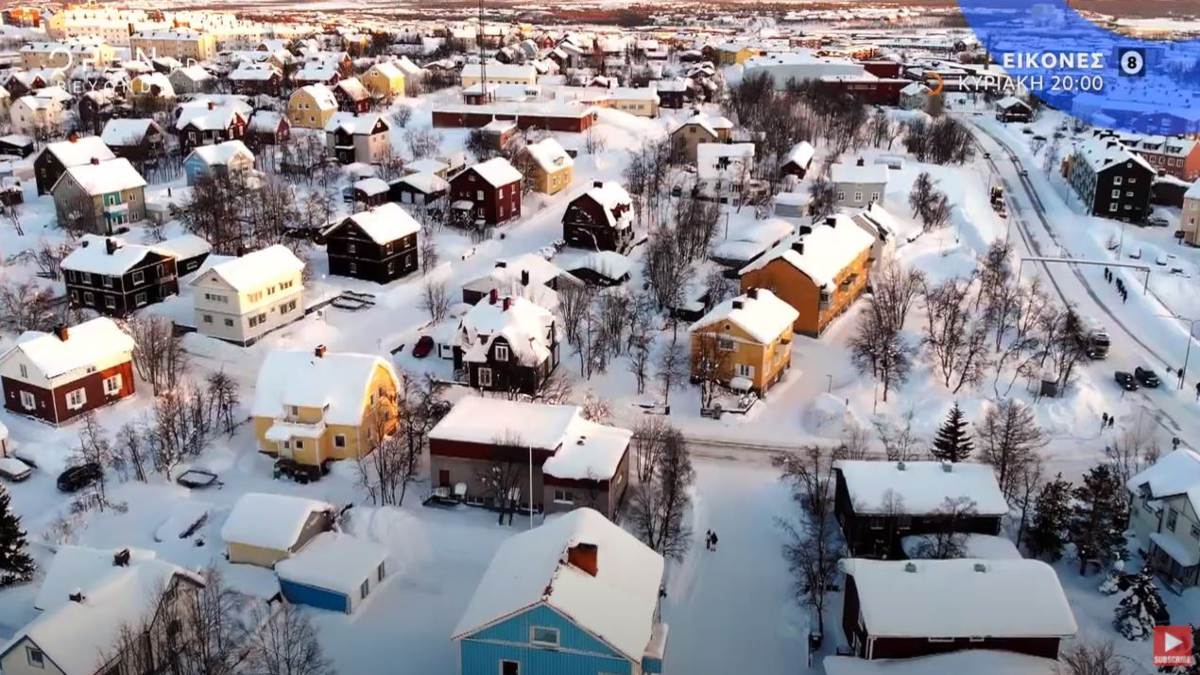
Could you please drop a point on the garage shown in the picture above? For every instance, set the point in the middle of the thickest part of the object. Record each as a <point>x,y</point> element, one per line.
<point>335,571</point>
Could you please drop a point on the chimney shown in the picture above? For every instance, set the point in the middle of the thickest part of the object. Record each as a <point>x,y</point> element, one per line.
<point>597,184</point>
<point>212,105</point>
<point>73,137</point>
<point>805,229</point>
<point>493,296</point>
<point>752,293</point>
<point>77,596</point>
<point>61,332</point>
<point>585,557</point>
<point>319,352</point>
<point>111,245</point>
<point>507,303</point>
<point>948,467</point>
<point>831,221</point>
<point>524,277</point>
<point>738,304</point>
<point>500,264</point>
<point>121,558</point>
<point>910,567</point>
<point>798,247</point>
<point>861,162</point>
<point>95,161</point>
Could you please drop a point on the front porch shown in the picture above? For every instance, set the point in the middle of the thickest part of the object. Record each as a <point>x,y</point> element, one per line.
<point>1177,565</point>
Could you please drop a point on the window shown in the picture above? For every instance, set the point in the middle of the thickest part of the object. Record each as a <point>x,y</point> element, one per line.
<point>110,302</point>
<point>87,277</point>
<point>365,588</point>
<point>1172,519</point>
<point>564,496</point>
<point>1117,180</point>
<point>35,657</point>
<point>541,635</point>
<point>76,399</point>
<point>725,344</point>
<point>107,281</point>
<point>139,299</point>
<point>1112,207</point>
<point>353,267</point>
<point>1195,531</point>
<point>339,441</point>
<point>479,195</point>
<point>24,371</point>
<point>841,196</point>
<point>351,247</point>
<point>874,196</point>
<point>208,318</point>
<point>299,444</point>
<point>228,323</point>
<point>28,402</point>
<point>485,377</point>
<point>89,298</point>
<point>857,197</point>
<point>875,523</point>
<point>112,385</point>
<point>1116,194</point>
<point>380,572</point>
<point>744,370</point>
<point>501,352</point>
<point>510,668</point>
<point>139,277</point>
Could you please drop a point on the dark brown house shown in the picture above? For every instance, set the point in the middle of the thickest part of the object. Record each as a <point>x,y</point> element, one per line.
<point>506,344</point>
<point>418,189</point>
<point>572,462</point>
<point>488,193</point>
<point>352,96</point>
<point>267,127</point>
<point>58,376</point>
<point>896,609</point>
<point>95,108</point>
<point>379,244</point>
<point>879,503</point>
<point>56,158</point>
<point>115,278</point>
<point>600,219</point>
<point>138,140</point>
<point>208,124</point>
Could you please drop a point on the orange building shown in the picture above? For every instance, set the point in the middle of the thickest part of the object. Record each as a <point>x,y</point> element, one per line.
<point>820,272</point>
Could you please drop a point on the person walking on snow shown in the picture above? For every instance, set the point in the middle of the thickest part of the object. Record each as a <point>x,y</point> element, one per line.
<point>714,541</point>
<point>1103,421</point>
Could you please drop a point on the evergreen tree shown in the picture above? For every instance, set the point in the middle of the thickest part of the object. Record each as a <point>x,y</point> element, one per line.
<point>1193,669</point>
<point>1051,516</point>
<point>1097,516</point>
<point>1142,608</point>
<point>953,442</point>
<point>15,564</point>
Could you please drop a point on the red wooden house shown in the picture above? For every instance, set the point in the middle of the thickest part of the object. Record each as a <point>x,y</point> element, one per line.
<point>488,193</point>
<point>58,376</point>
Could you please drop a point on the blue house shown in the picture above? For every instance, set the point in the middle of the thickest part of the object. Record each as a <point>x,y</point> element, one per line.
<point>334,571</point>
<point>222,159</point>
<point>576,596</point>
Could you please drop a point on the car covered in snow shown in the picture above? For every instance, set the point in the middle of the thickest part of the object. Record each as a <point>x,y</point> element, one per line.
<point>78,477</point>
<point>14,469</point>
<point>1126,380</point>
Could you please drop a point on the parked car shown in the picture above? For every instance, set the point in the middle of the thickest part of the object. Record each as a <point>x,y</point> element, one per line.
<point>1146,377</point>
<point>1161,259</point>
<point>1126,380</point>
<point>79,477</point>
<point>14,469</point>
<point>1157,221</point>
<point>423,347</point>
<point>1136,253</point>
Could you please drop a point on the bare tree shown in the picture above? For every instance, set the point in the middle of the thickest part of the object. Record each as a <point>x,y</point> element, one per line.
<point>285,643</point>
<point>215,639</point>
<point>134,449</point>
<point>223,395</point>
<point>27,306</point>
<point>1090,658</point>
<point>822,198</point>
<point>158,352</point>
<point>814,544</point>
<point>658,506</point>
<point>881,350</point>
<point>1134,449</point>
<point>95,448</point>
<point>900,441</point>
<point>956,342</point>
<point>894,289</point>
<point>712,365</point>
<point>423,142</point>
<point>435,299</point>
<point>501,478</point>
<point>1009,437</point>
<point>929,205</point>
<point>428,253</point>
<point>949,540</point>
<point>671,369</point>
<point>648,438</point>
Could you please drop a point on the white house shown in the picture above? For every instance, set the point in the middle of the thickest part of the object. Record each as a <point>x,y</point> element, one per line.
<point>860,184</point>
<point>1165,516</point>
<point>242,299</point>
<point>226,159</point>
<point>723,169</point>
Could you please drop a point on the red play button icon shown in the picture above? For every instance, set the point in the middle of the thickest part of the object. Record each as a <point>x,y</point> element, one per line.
<point>1172,645</point>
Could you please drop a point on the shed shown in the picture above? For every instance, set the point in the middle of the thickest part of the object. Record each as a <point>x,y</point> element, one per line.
<point>334,571</point>
<point>263,529</point>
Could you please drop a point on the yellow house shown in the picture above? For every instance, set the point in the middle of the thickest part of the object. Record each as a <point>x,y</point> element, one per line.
<point>549,168</point>
<point>820,273</point>
<point>744,342</point>
<point>315,407</point>
<point>264,528</point>
<point>384,80</point>
<point>310,107</point>
<point>732,54</point>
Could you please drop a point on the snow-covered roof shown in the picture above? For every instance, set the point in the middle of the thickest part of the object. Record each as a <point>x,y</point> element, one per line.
<point>1177,473</point>
<point>387,69</point>
<point>103,177</point>
<point>801,154</point>
<point>255,72</point>
<point>79,637</point>
<point>384,223</point>
<point>549,155</point>
<point>1193,192</point>
<point>965,597</point>
<point>86,344</point>
<point>973,661</point>
<point>710,123</point>
<point>500,71</point>
<point>358,124</point>
<point>425,182</point>
<point>197,113</point>
<point>489,420</point>
<point>1011,101</point>
<point>338,382</point>
<point>616,605</point>
<point>497,172</point>
<point>144,85</point>
<point>372,186</point>
<point>335,561</point>
<point>760,313</point>
<point>221,154</point>
<point>80,151</point>
<point>609,264</point>
<point>322,96</point>
<point>353,87</point>
<point>92,256</point>
<point>827,251</point>
<point>1105,152</point>
<point>266,121</point>
<point>77,567</point>
<point>920,488</point>
<point>269,521</point>
<point>851,172</point>
<point>123,131</point>
<point>426,165</point>
<point>254,269</point>
<point>183,246</point>
<point>590,451</point>
<point>525,327</point>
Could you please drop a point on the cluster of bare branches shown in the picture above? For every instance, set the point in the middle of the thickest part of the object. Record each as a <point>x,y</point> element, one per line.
<point>945,140</point>
<point>879,345</point>
<point>929,205</point>
<point>398,437</point>
<point>661,499</point>
<point>158,353</point>
<point>29,306</point>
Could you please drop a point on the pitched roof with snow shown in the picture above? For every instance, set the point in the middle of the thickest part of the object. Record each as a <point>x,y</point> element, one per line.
<point>502,71</point>
<point>425,182</point>
<point>846,172</point>
<point>526,327</point>
<point>827,251</point>
<point>333,560</point>
<point>496,172</point>
<point>93,257</point>
<point>221,154</point>
<point>123,131</point>
<point>964,597</point>
<point>338,382</point>
<point>103,177</point>
<point>79,637</point>
<point>1103,153</point>
<point>80,151</point>
<point>1177,473</point>
<point>353,87</point>
<point>549,155</point>
<point>801,154</point>
<point>87,343</point>
<point>530,569</point>
<point>269,521</point>
<point>322,96</point>
<point>616,202</point>
<point>252,270</point>
<point>197,114</point>
<point>384,223</point>
<point>357,124</point>
<point>973,661</point>
<point>762,315</point>
<point>920,488</point>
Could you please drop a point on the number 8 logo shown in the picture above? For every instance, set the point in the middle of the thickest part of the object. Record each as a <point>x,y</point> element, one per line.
<point>1133,62</point>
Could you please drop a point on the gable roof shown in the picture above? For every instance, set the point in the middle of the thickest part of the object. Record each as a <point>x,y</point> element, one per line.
<point>357,124</point>
<point>102,177</point>
<point>321,95</point>
<point>524,325</point>
<point>612,196</point>
<point>80,151</point>
<point>764,317</point>
<point>549,155</point>
<point>221,154</point>
<point>616,605</point>
<point>920,488</point>
<point>496,172</point>
<point>384,223</point>
<point>801,154</point>
<point>270,521</point>
<point>87,343</point>
<point>963,597</point>
<point>827,251</point>
<point>253,269</point>
<point>125,131</point>
<point>92,256</point>
<point>851,172</point>
<point>338,382</point>
<point>1177,473</point>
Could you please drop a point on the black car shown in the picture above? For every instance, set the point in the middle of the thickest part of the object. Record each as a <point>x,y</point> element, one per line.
<point>1146,377</point>
<point>1127,381</point>
<point>78,477</point>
